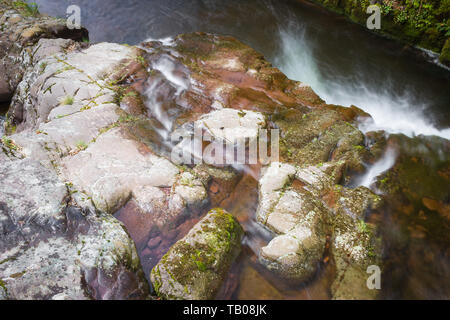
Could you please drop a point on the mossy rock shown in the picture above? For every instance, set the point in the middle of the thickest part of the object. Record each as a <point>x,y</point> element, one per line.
<point>195,267</point>
<point>445,54</point>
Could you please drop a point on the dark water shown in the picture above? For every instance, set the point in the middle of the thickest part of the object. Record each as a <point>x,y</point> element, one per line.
<point>400,87</point>
<point>343,62</point>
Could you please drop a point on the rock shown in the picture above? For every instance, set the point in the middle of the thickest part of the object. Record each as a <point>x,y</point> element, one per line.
<point>44,200</point>
<point>415,190</point>
<point>303,206</point>
<point>296,218</point>
<point>355,244</point>
<point>445,53</point>
<point>230,124</point>
<point>319,136</point>
<point>79,117</point>
<point>20,31</point>
<point>64,82</point>
<point>51,249</point>
<point>195,266</point>
<point>110,174</point>
<point>221,181</point>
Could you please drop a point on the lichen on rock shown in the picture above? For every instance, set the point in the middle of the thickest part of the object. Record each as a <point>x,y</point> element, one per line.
<point>195,266</point>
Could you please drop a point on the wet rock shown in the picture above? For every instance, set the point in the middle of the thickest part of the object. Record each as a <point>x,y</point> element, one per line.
<point>20,30</point>
<point>297,218</point>
<point>219,72</point>
<point>220,181</point>
<point>355,243</point>
<point>320,136</point>
<point>416,195</point>
<point>73,112</point>
<point>195,266</point>
<point>303,207</point>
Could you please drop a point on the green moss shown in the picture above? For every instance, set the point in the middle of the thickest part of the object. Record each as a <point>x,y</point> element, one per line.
<point>81,145</point>
<point>445,54</point>
<point>7,142</point>
<point>418,22</point>
<point>3,286</point>
<point>201,262</point>
<point>68,100</point>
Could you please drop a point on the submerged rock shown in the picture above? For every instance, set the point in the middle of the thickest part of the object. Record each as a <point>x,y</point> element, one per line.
<point>195,266</point>
<point>417,201</point>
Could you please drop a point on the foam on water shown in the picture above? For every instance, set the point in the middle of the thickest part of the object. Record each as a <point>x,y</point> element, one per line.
<point>391,111</point>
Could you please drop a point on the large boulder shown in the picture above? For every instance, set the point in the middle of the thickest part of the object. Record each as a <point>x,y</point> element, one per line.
<point>51,249</point>
<point>20,30</point>
<point>304,207</point>
<point>195,267</point>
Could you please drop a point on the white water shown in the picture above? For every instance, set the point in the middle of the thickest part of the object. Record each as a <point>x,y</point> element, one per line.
<point>391,111</point>
<point>381,166</point>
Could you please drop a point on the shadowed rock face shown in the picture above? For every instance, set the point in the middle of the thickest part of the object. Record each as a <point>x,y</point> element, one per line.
<point>88,132</point>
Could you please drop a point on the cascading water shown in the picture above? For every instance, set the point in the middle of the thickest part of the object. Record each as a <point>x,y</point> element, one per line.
<point>342,62</point>
<point>391,111</point>
<point>379,167</point>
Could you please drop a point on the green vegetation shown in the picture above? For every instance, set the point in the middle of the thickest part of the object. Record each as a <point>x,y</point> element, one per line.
<point>26,9</point>
<point>68,100</point>
<point>9,143</point>
<point>419,22</point>
<point>81,145</point>
<point>362,227</point>
<point>42,66</point>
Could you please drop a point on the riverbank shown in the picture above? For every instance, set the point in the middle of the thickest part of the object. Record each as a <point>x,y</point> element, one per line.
<point>421,23</point>
<point>110,214</point>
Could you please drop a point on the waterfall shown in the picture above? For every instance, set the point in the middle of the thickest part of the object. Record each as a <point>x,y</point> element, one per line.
<point>384,164</point>
<point>391,111</point>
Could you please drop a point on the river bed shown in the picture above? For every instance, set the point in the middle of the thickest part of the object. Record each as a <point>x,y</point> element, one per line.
<point>404,91</point>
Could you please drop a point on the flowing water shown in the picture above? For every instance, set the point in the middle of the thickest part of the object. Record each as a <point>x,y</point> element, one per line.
<point>402,88</point>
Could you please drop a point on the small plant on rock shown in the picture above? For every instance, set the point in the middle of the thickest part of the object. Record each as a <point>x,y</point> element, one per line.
<point>68,100</point>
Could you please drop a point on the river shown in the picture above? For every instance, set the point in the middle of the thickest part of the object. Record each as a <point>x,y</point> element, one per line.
<point>403,88</point>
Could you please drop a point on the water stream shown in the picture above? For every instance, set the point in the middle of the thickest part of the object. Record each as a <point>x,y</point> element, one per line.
<point>403,90</point>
